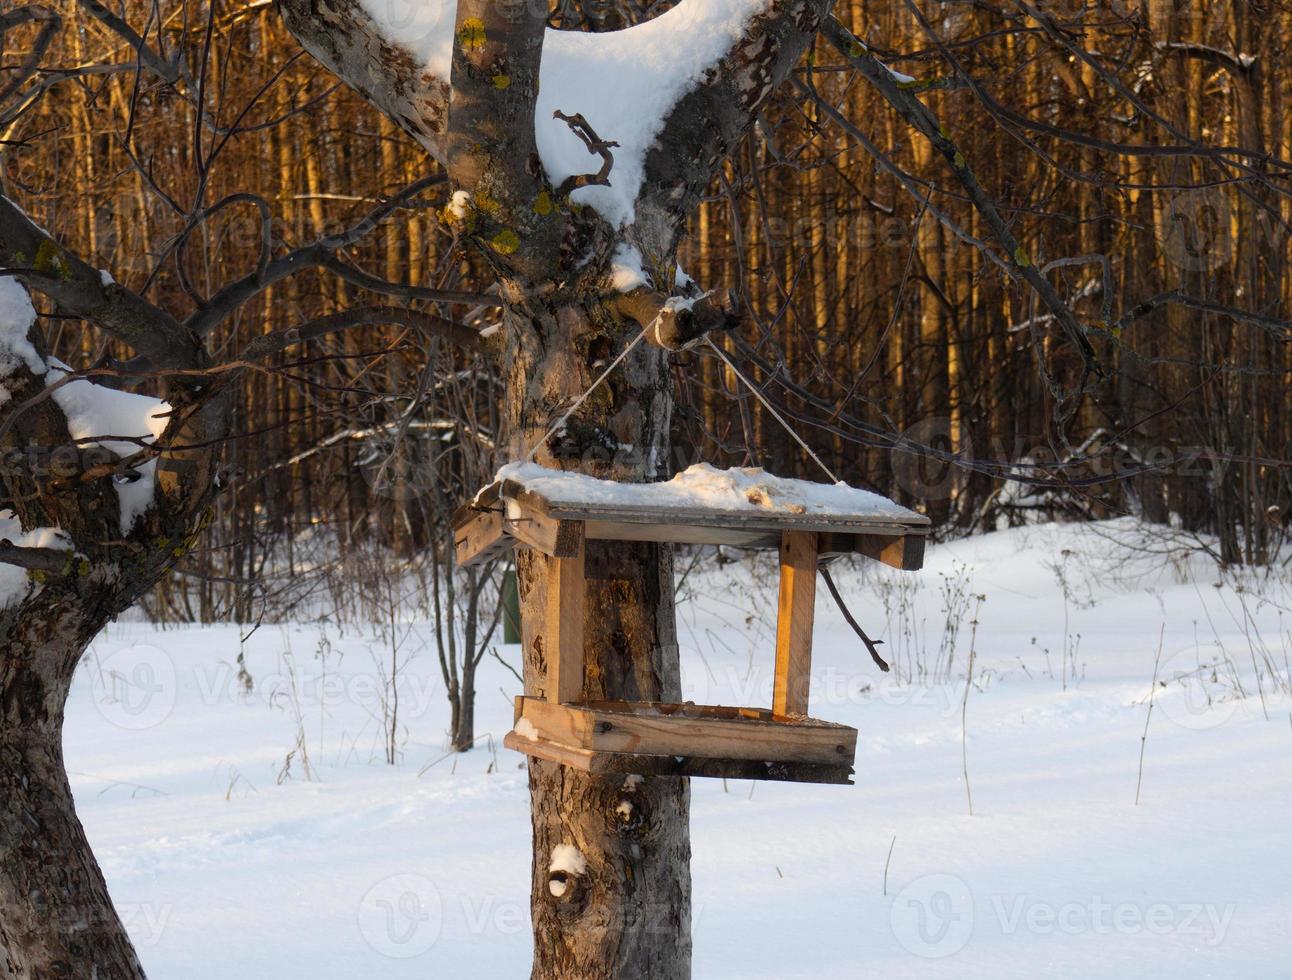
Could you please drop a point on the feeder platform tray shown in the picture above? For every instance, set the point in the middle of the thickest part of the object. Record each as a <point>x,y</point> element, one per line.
<point>683,740</point>
<point>555,514</point>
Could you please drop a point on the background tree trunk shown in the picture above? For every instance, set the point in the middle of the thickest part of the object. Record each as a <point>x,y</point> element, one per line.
<point>628,914</point>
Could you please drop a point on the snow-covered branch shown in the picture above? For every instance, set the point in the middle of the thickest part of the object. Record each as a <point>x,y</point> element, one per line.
<point>402,69</point>
<point>84,291</point>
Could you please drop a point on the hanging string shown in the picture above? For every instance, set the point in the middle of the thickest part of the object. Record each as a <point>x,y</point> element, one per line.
<point>768,405</point>
<point>757,392</point>
<point>560,423</point>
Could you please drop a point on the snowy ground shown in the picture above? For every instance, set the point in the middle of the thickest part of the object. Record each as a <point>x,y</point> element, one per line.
<point>374,871</point>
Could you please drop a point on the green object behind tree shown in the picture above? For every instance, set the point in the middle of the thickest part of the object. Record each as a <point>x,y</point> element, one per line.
<point>510,607</point>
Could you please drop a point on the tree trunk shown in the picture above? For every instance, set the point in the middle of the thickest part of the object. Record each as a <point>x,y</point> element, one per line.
<point>56,919</point>
<point>626,913</point>
<point>464,730</point>
<point>464,707</point>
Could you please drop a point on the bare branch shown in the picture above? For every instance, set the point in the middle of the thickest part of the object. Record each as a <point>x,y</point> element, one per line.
<point>908,182</point>
<point>872,646</point>
<point>85,292</point>
<point>922,119</point>
<point>1279,329</point>
<point>374,284</point>
<point>49,22</point>
<point>342,35</point>
<point>596,146</point>
<point>34,559</point>
<point>321,254</point>
<point>270,344</point>
<point>171,71</point>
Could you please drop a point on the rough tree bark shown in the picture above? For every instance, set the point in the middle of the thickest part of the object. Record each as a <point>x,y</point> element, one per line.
<point>627,914</point>
<point>56,919</point>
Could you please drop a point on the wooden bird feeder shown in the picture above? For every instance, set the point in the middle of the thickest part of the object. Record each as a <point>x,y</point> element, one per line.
<point>555,514</point>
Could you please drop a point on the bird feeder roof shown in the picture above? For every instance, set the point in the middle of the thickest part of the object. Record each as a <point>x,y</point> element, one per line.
<point>702,505</point>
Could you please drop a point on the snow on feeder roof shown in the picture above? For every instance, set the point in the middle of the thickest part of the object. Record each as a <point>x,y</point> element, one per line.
<point>555,513</point>
<point>702,505</point>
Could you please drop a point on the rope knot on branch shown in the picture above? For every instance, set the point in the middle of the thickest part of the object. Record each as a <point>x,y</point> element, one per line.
<point>675,322</point>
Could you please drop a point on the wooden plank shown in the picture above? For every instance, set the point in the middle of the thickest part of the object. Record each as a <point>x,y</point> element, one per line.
<point>835,544</point>
<point>627,763</point>
<point>906,553</point>
<point>563,625</point>
<point>609,530</point>
<point>691,730</point>
<point>557,722</point>
<point>668,521</point>
<point>547,535</point>
<point>796,614</point>
<point>766,517</point>
<point>541,748</point>
<point>480,537</point>
<point>900,547</point>
<point>691,709</point>
<point>672,517</point>
<point>487,499</point>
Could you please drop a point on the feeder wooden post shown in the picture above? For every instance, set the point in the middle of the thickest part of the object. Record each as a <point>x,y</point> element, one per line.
<point>794,623</point>
<point>563,630</point>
